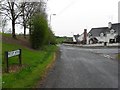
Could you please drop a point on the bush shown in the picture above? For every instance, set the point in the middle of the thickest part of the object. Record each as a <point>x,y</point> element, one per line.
<point>39,34</point>
<point>51,37</point>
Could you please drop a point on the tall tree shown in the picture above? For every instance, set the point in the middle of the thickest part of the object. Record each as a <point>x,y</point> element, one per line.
<point>12,10</point>
<point>4,24</point>
<point>23,10</point>
<point>39,31</point>
<point>28,10</point>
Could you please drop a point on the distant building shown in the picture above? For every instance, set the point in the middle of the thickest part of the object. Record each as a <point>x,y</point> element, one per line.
<point>81,39</point>
<point>110,34</point>
<point>75,38</point>
<point>97,35</point>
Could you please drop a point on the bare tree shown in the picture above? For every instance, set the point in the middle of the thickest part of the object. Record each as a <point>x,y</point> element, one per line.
<point>24,10</point>
<point>28,10</point>
<point>3,24</point>
<point>11,9</point>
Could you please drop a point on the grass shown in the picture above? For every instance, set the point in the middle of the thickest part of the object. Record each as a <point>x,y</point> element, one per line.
<point>0,65</point>
<point>10,35</point>
<point>35,66</point>
<point>6,34</point>
<point>119,56</point>
<point>59,40</point>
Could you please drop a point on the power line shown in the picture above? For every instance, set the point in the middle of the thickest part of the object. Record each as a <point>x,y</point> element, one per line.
<point>68,6</point>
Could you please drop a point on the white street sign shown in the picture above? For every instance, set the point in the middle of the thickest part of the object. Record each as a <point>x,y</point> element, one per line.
<point>13,53</point>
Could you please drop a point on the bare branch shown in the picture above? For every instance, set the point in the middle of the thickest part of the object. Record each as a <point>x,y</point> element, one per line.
<point>7,15</point>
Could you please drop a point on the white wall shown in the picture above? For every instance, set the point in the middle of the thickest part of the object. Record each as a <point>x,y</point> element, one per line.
<point>74,39</point>
<point>110,36</point>
<point>104,39</point>
<point>101,39</point>
<point>80,38</point>
<point>88,39</point>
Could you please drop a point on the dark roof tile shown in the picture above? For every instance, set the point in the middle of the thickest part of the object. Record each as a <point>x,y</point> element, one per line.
<point>96,31</point>
<point>116,27</point>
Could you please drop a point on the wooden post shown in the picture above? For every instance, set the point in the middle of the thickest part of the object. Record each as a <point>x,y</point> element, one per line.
<point>6,62</point>
<point>20,61</point>
<point>11,54</point>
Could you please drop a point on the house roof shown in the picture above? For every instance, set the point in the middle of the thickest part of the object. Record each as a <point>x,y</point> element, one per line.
<point>96,31</point>
<point>116,27</point>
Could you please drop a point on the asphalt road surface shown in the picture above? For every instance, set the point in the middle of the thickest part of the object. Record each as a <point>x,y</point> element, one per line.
<point>83,68</point>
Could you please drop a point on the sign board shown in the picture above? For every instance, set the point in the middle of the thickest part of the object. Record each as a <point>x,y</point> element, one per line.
<point>11,54</point>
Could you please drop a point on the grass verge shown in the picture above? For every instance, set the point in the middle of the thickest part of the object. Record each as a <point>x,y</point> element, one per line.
<point>34,66</point>
<point>119,56</point>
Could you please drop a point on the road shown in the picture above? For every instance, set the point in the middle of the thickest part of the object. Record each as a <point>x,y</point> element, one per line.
<point>83,68</point>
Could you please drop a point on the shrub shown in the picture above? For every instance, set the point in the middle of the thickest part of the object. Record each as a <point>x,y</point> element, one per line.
<point>39,33</point>
<point>51,37</point>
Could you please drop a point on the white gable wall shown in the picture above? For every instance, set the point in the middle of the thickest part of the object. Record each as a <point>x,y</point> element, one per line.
<point>101,39</point>
<point>80,38</point>
<point>74,39</point>
<point>104,38</point>
<point>110,36</point>
<point>88,38</point>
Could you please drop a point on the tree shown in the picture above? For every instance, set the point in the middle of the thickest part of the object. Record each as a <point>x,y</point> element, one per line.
<point>39,33</point>
<point>27,12</point>
<point>51,37</point>
<point>3,24</point>
<point>23,10</point>
<point>11,9</point>
<point>28,9</point>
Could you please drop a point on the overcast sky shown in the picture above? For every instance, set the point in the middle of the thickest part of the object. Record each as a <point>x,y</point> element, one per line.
<point>73,16</point>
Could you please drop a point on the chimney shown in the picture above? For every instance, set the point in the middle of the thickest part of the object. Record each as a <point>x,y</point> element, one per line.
<point>109,25</point>
<point>85,36</point>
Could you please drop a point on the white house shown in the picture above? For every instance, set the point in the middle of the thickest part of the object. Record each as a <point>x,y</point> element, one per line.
<point>81,39</point>
<point>74,40</point>
<point>110,34</point>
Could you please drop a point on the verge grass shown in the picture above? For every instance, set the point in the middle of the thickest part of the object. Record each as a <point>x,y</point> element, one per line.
<point>119,56</point>
<point>35,64</point>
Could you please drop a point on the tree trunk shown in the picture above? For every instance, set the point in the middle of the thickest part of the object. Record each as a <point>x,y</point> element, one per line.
<point>24,22</point>
<point>30,29</point>
<point>13,29</point>
<point>24,30</point>
<point>30,26</point>
<point>13,19</point>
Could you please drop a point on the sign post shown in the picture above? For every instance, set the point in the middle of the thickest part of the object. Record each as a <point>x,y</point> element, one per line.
<point>6,61</point>
<point>12,54</point>
<point>20,58</point>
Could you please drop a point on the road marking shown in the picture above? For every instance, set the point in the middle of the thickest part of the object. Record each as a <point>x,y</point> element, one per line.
<point>108,56</point>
